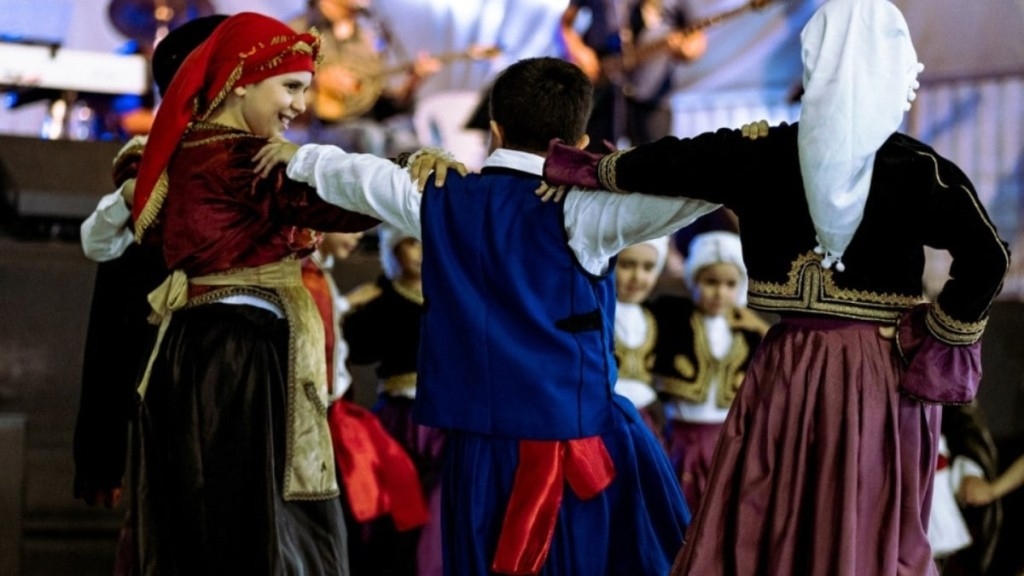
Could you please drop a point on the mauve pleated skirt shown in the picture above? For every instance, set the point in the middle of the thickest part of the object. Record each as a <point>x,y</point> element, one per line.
<point>822,468</point>
<point>691,450</point>
<point>207,495</point>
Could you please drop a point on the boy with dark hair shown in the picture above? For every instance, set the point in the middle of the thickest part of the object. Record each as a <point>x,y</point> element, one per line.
<point>516,359</point>
<point>555,104</point>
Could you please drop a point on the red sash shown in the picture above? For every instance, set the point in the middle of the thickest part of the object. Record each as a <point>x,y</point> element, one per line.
<point>544,469</point>
<point>378,476</point>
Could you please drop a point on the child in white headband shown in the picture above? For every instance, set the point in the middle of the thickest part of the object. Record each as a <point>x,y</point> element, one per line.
<point>705,345</point>
<point>637,270</point>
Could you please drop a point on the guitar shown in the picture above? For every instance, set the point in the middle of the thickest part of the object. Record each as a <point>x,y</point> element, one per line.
<point>359,86</point>
<point>617,67</point>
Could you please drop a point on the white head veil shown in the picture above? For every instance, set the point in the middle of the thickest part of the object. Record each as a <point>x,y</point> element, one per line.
<point>389,237</point>
<point>716,248</point>
<point>660,245</point>
<point>860,73</point>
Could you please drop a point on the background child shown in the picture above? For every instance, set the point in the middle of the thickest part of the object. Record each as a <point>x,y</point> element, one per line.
<point>399,307</point>
<point>637,269</point>
<point>381,491</point>
<point>704,350</point>
<point>967,454</point>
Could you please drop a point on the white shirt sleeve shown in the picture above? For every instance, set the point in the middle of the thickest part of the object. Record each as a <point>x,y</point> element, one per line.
<point>105,233</point>
<point>362,183</point>
<point>962,467</point>
<point>601,224</point>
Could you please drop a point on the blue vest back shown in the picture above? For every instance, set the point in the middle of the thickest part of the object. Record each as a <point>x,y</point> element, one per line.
<point>516,337</point>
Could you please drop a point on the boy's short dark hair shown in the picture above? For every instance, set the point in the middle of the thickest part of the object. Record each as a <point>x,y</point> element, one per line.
<point>537,99</point>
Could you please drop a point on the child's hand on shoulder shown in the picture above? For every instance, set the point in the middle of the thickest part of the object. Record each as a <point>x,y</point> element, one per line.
<point>277,151</point>
<point>550,193</point>
<point>430,159</point>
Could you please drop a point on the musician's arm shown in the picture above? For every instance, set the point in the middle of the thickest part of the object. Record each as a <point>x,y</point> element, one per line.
<point>402,95</point>
<point>683,44</point>
<point>579,53</point>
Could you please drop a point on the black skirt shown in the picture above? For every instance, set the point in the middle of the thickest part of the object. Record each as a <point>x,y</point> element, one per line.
<point>207,492</point>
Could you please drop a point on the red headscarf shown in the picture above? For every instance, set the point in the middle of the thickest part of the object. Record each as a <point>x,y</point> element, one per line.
<point>245,49</point>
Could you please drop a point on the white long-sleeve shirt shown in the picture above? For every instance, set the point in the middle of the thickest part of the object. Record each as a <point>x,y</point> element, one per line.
<point>105,234</point>
<point>599,224</point>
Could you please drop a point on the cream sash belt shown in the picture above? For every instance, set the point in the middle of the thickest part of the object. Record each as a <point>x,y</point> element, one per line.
<point>309,457</point>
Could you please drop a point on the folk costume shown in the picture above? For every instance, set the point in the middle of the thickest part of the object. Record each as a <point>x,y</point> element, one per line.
<point>701,362</point>
<point>379,481</point>
<point>826,460</point>
<point>545,468</point>
<point>971,451</point>
<point>235,470</point>
<point>636,335</point>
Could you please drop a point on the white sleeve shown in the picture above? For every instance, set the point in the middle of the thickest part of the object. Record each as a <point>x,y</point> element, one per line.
<point>601,224</point>
<point>962,467</point>
<point>362,183</point>
<point>105,233</point>
<point>342,304</point>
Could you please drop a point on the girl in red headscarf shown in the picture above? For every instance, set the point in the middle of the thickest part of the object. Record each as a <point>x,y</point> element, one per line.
<point>235,472</point>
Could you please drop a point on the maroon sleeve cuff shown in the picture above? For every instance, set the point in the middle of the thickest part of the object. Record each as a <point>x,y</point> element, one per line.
<point>570,166</point>
<point>937,372</point>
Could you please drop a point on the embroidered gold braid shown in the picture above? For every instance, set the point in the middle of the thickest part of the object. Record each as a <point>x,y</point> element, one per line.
<point>410,294</point>
<point>151,210</point>
<point>696,381</point>
<point>399,384</point>
<point>950,330</point>
<point>636,363</point>
<point>606,171</point>
<point>233,134</point>
<point>134,146</point>
<point>811,289</point>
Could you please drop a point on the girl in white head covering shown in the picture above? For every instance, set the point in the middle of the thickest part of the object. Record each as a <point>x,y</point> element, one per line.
<point>706,344</point>
<point>395,265</point>
<point>711,249</point>
<point>849,109</point>
<point>637,270</point>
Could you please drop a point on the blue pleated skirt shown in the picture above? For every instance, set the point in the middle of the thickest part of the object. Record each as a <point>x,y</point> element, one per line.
<point>634,527</point>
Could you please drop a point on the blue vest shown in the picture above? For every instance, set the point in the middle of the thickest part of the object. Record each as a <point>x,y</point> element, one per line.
<point>516,337</point>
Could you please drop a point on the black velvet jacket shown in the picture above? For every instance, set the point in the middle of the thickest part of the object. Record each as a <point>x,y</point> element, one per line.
<point>684,365</point>
<point>917,199</point>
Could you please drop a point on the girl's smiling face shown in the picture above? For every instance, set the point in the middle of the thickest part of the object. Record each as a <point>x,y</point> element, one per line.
<point>270,105</point>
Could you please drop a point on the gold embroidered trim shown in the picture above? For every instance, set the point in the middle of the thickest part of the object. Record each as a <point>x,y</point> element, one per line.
<point>606,171</point>
<point>410,294</point>
<point>636,363</point>
<point>399,384</point>
<point>151,210</point>
<point>219,293</point>
<point>134,146</point>
<point>977,208</point>
<point>233,134</point>
<point>810,288</point>
<point>228,85</point>
<point>698,379</point>
<point>950,330</point>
